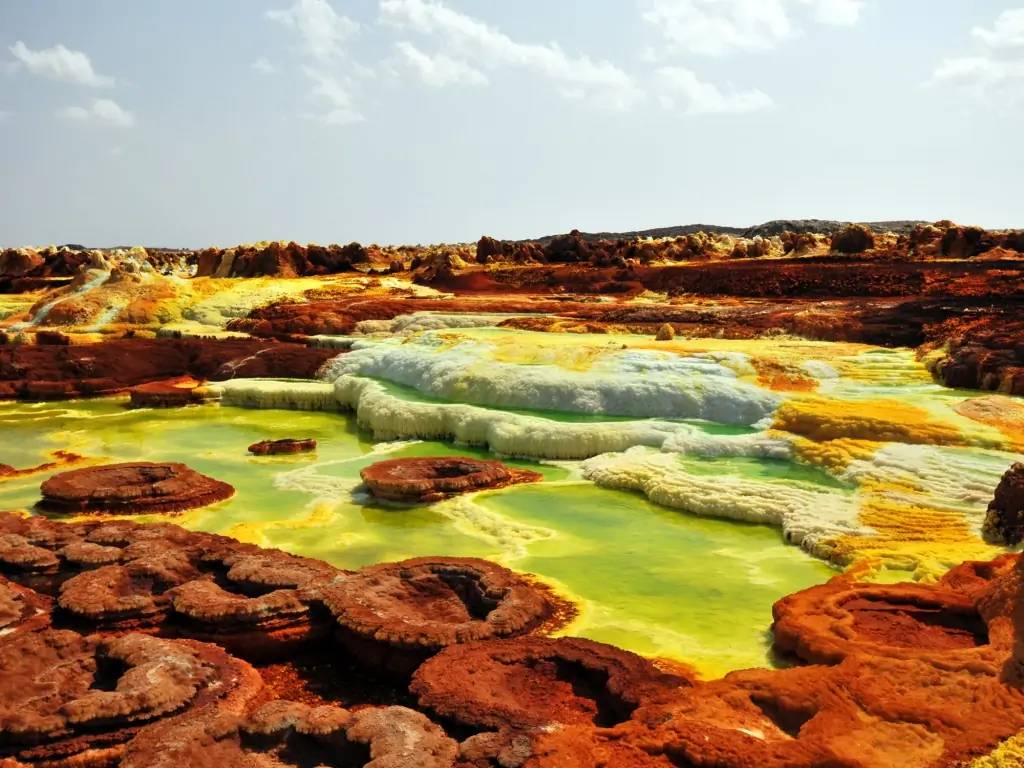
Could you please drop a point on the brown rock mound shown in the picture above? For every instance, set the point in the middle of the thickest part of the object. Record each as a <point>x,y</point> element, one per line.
<point>830,622</point>
<point>275,447</point>
<point>533,682</point>
<point>134,488</point>
<point>160,579</point>
<point>395,615</point>
<point>172,393</point>
<point>21,609</point>
<point>1004,521</point>
<point>432,479</point>
<point>287,733</point>
<point>868,711</point>
<point>69,700</point>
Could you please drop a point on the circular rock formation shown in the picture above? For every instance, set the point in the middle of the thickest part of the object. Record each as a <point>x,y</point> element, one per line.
<point>432,479</point>
<point>121,576</point>
<point>830,622</point>
<point>1004,521</point>
<point>69,700</point>
<point>287,733</point>
<point>135,488</point>
<point>533,682</point>
<point>276,447</point>
<point>395,615</point>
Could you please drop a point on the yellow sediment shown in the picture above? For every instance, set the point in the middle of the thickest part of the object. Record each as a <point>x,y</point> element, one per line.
<point>878,420</point>
<point>833,456</point>
<point>1009,754</point>
<point>910,534</point>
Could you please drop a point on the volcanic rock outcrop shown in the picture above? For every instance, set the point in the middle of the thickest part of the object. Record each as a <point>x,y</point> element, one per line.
<point>1004,521</point>
<point>173,393</point>
<point>287,733</point>
<point>394,615</point>
<point>70,700</point>
<point>285,446</point>
<point>160,579</point>
<point>34,372</point>
<point>426,480</point>
<point>535,682</point>
<point>134,488</point>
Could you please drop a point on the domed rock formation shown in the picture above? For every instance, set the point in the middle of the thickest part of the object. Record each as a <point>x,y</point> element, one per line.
<point>286,446</point>
<point>287,733</point>
<point>534,682</point>
<point>133,488</point>
<point>69,700</point>
<point>423,480</point>
<point>856,238</point>
<point>1004,520</point>
<point>395,615</point>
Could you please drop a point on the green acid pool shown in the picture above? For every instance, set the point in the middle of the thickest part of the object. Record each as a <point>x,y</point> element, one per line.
<point>650,579</point>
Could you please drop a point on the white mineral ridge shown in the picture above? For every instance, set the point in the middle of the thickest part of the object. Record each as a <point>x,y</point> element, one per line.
<point>807,516</point>
<point>636,383</point>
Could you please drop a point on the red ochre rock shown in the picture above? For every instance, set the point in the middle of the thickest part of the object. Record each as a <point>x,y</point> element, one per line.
<point>133,488</point>
<point>533,682</point>
<point>160,579</point>
<point>285,446</point>
<point>1004,520</point>
<point>21,609</point>
<point>171,393</point>
<point>73,701</point>
<point>287,733</point>
<point>830,622</point>
<point>432,479</point>
<point>395,615</point>
<point>868,711</point>
<point>33,372</point>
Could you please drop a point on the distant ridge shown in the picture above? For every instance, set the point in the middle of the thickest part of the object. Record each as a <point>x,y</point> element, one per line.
<point>768,229</point>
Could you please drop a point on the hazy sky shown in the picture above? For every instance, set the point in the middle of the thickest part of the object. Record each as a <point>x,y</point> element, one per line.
<point>191,122</point>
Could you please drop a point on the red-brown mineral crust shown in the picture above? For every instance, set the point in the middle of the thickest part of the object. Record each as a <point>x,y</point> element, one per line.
<point>34,372</point>
<point>1004,521</point>
<point>285,446</point>
<point>21,609</point>
<point>161,579</point>
<point>533,682</point>
<point>172,393</point>
<point>395,615</point>
<point>69,700</point>
<point>432,479</point>
<point>287,733</point>
<point>828,623</point>
<point>133,488</point>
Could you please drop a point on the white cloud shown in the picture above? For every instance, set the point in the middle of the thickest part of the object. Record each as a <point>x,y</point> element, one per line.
<point>721,27</point>
<point>1008,31</point>
<point>263,66</point>
<point>995,71</point>
<point>59,63</point>
<point>466,39</point>
<point>321,28</point>
<point>335,97</point>
<point>681,88</point>
<point>439,70</point>
<point>102,111</point>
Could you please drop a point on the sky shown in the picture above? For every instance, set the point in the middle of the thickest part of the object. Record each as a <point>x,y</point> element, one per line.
<point>214,122</point>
